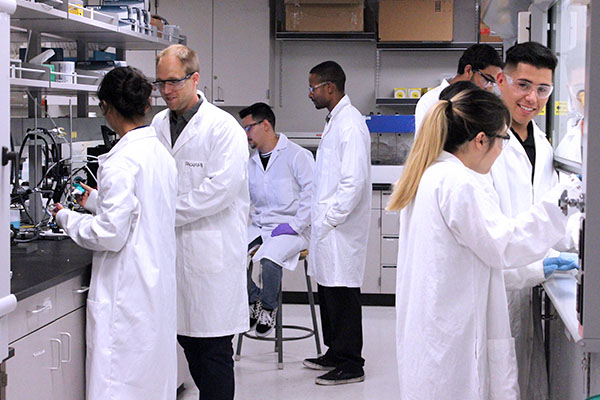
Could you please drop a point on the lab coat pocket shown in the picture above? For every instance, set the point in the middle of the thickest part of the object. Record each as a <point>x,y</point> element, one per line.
<point>98,326</point>
<point>503,373</point>
<point>191,174</point>
<point>202,251</point>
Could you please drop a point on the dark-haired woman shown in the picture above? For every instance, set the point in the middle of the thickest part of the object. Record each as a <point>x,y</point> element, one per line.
<point>131,311</point>
<point>453,333</point>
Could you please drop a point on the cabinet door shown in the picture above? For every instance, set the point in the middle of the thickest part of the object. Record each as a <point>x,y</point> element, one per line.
<point>242,50</point>
<point>70,330</point>
<point>371,281</point>
<point>196,19</point>
<point>36,362</point>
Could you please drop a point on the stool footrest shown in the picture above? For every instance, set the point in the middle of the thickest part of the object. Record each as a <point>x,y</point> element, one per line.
<point>284,338</point>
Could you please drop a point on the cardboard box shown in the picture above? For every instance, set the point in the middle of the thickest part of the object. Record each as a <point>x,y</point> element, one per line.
<point>324,15</point>
<point>414,93</point>
<point>416,20</point>
<point>486,35</point>
<point>400,93</point>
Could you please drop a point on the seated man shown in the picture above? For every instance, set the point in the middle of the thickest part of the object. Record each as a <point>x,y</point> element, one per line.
<point>280,177</point>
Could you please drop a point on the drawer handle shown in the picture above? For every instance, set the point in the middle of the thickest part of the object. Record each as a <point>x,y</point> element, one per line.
<point>82,290</point>
<point>68,335</point>
<point>45,307</point>
<point>59,351</point>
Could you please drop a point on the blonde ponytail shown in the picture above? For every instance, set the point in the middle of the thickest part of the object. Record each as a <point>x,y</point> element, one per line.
<point>426,149</point>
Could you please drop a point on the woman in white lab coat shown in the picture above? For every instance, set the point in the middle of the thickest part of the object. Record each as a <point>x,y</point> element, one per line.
<point>131,309</point>
<point>453,333</point>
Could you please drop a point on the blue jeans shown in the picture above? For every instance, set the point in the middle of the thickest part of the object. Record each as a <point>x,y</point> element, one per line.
<point>271,277</point>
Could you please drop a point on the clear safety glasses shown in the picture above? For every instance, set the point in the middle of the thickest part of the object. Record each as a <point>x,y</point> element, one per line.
<point>172,83</point>
<point>249,126</point>
<point>505,139</point>
<point>524,87</point>
<point>488,80</point>
<point>312,89</point>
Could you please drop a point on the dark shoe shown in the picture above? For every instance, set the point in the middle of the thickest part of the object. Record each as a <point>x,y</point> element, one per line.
<point>255,309</point>
<point>320,364</point>
<point>339,377</point>
<point>266,322</point>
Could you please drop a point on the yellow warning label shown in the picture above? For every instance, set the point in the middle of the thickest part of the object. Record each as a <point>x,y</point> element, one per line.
<point>561,108</point>
<point>543,112</point>
<point>74,134</point>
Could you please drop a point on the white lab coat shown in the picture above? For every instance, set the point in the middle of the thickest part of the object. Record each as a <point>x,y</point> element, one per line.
<point>211,224</point>
<point>341,200</point>
<point>426,102</point>
<point>511,174</point>
<point>453,334</point>
<point>131,326</point>
<point>281,194</point>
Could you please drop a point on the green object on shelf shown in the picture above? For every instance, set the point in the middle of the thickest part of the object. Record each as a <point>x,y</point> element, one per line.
<point>52,76</point>
<point>596,397</point>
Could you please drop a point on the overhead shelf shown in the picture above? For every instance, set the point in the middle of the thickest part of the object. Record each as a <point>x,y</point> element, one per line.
<point>93,26</point>
<point>337,36</point>
<point>391,101</point>
<point>431,46</point>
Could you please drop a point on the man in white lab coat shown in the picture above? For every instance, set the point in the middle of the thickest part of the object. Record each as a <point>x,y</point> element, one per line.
<point>211,154</point>
<point>480,63</point>
<point>522,175</point>
<point>341,204</point>
<point>280,176</point>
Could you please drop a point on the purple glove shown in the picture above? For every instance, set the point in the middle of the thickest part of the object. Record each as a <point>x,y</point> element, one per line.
<point>283,229</point>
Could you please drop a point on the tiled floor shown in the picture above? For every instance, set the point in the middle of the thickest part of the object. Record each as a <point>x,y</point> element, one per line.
<point>257,376</point>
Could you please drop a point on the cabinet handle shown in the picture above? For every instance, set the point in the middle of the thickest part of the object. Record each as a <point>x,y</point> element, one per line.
<point>82,290</point>
<point>59,351</point>
<point>47,306</point>
<point>68,335</point>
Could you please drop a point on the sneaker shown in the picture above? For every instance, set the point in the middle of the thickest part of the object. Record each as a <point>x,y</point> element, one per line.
<point>339,377</point>
<point>321,364</point>
<point>255,309</point>
<point>266,322</point>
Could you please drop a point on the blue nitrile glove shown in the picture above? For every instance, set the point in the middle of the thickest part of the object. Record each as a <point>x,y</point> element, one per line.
<point>565,262</point>
<point>283,229</point>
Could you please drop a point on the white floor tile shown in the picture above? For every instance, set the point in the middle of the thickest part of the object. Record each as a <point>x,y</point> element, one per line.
<point>257,376</point>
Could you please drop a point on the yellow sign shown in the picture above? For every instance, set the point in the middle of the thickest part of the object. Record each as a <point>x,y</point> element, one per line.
<point>561,108</point>
<point>543,112</point>
<point>74,134</point>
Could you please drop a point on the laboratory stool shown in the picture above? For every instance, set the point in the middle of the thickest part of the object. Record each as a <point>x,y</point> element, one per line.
<point>279,326</point>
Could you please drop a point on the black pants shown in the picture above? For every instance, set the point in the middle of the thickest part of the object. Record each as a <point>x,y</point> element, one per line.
<point>341,318</point>
<point>211,365</point>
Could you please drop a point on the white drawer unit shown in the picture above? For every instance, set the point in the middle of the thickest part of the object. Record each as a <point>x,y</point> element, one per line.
<point>388,279</point>
<point>71,294</point>
<point>32,313</point>
<point>389,250</point>
<point>390,223</point>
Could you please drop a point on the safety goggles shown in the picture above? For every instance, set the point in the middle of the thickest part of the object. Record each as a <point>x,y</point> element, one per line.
<point>312,89</point>
<point>489,80</point>
<point>172,83</point>
<point>524,87</point>
<point>249,126</point>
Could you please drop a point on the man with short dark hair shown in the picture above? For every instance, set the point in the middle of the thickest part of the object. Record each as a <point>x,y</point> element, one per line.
<point>480,64</point>
<point>522,174</point>
<point>341,212</point>
<point>280,176</point>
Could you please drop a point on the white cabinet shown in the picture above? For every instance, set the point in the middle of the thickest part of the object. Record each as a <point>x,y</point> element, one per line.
<point>372,278</point>
<point>233,43</point>
<point>47,331</point>
<point>50,362</point>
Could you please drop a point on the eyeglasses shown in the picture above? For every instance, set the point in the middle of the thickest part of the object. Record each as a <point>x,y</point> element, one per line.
<point>488,79</point>
<point>505,139</point>
<point>312,89</point>
<point>249,126</point>
<point>524,87</point>
<point>172,83</point>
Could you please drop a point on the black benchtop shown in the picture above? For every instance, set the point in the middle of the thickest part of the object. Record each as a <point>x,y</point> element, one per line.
<point>383,186</point>
<point>50,263</point>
